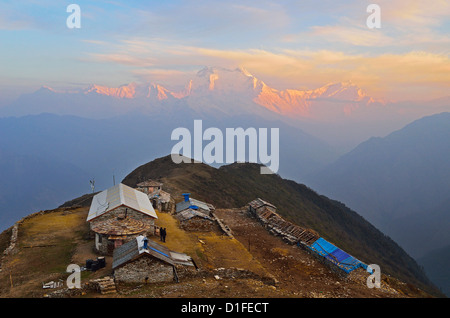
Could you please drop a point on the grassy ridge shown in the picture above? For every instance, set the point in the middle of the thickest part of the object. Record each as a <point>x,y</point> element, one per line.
<point>236,184</point>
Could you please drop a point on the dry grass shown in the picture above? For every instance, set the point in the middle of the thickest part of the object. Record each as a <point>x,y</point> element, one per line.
<point>208,249</point>
<point>46,245</point>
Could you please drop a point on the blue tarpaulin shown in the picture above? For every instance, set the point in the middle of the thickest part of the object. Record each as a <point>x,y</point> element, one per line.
<point>337,256</point>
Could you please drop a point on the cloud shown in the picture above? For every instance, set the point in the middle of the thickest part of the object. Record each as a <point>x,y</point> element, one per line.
<point>391,75</point>
<point>351,35</point>
<point>288,45</point>
<point>10,21</point>
<point>415,13</point>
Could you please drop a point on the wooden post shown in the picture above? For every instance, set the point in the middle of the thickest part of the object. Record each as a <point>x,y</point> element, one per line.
<point>10,278</point>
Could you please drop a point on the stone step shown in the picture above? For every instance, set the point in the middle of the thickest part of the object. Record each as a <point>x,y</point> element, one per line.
<point>108,289</point>
<point>109,292</point>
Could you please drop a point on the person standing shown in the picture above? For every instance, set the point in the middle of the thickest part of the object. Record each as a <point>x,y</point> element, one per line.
<point>164,235</point>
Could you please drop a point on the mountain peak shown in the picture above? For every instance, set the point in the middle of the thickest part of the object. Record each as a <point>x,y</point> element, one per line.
<point>244,71</point>
<point>212,83</point>
<point>123,91</point>
<point>341,90</point>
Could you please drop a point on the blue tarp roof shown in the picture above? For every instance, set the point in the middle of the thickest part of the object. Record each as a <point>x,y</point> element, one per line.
<point>337,256</point>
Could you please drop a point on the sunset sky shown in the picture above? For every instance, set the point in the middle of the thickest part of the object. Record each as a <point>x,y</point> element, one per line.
<point>287,44</point>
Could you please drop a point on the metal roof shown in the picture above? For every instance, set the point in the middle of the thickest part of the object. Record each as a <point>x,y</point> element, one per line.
<point>125,253</point>
<point>135,249</point>
<point>337,256</point>
<point>183,205</point>
<point>190,213</point>
<point>120,195</point>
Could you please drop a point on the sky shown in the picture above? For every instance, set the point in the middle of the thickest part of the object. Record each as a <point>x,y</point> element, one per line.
<point>287,44</point>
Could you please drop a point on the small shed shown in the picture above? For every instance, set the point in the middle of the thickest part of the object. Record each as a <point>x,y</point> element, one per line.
<point>258,205</point>
<point>194,220</point>
<point>266,213</point>
<point>194,204</point>
<point>159,198</point>
<point>145,261</point>
<point>149,186</point>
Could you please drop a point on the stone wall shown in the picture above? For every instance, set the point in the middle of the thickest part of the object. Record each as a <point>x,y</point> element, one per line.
<point>120,211</point>
<point>183,271</point>
<point>145,266</point>
<point>11,249</point>
<point>200,224</point>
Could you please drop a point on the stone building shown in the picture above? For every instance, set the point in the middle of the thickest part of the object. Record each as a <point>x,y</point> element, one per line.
<point>265,213</point>
<point>144,261</point>
<point>194,220</point>
<point>159,198</point>
<point>118,215</point>
<point>113,232</point>
<point>258,205</point>
<point>149,186</point>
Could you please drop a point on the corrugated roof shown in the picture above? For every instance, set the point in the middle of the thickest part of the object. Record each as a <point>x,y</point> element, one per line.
<point>125,253</point>
<point>119,195</point>
<point>135,249</point>
<point>190,213</point>
<point>337,256</point>
<point>192,202</point>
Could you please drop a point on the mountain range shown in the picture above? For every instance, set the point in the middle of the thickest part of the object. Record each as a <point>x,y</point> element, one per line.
<point>211,89</point>
<point>341,113</point>
<point>401,184</point>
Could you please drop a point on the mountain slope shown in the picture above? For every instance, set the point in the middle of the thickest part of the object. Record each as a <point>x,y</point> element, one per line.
<point>236,184</point>
<point>436,266</point>
<point>32,183</point>
<point>103,148</point>
<point>398,181</point>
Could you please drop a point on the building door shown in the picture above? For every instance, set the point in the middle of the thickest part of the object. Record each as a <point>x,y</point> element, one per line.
<point>110,247</point>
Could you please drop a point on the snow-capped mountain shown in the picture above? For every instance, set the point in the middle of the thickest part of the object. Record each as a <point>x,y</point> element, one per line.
<point>218,92</point>
<point>238,90</point>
